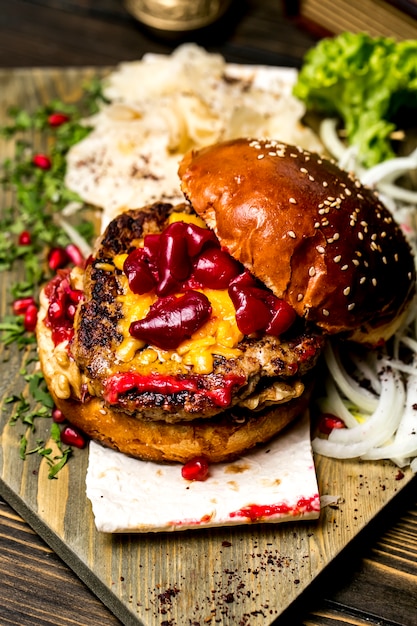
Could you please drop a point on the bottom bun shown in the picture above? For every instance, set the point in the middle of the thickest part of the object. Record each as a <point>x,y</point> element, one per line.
<point>218,439</point>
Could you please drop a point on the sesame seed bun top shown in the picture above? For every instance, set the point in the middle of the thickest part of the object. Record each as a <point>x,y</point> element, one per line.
<point>308,230</point>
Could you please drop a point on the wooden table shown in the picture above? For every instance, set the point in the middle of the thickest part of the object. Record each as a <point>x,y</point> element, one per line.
<point>374,581</point>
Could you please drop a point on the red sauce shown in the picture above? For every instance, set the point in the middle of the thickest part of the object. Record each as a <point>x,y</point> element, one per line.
<point>121,383</point>
<point>205,519</point>
<point>256,512</point>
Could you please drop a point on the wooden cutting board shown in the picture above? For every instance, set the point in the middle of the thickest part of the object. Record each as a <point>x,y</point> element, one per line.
<point>239,576</point>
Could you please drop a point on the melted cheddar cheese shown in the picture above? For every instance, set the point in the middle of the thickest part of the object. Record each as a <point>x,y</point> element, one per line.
<point>218,336</point>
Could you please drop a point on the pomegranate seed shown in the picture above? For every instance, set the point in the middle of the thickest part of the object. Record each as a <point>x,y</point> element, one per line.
<point>57,258</point>
<point>42,161</point>
<point>70,311</point>
<point>72,437</point>
<point>31,317</point>
<point>215,268</point>
<point>74,255</point>
<point>328,422</point>
<point>21,304</point>
<point>58,416</point>
<point>57,119</point>
<point>195,469</point>
<point>75,295</point>
<point>25,238</point>
<point>56,310</point>
<point>171,320</point>
<point>62,332</point>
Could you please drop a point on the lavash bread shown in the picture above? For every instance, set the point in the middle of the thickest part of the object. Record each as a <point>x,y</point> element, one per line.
<point>309,231</point>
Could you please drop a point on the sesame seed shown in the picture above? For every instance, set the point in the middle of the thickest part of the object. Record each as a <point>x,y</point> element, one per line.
<point>317,225</point>
<point>344,268</point>
<point>351,306</point>
<point>348,191</point>
<point>320,249</point>
<point>355,262</point>
<point>337,258</point>
<point>360,235</point>
<point>261,156</point>
<point>293,201</point>
<point>291,234</point>
<point>311,178</point>
<point>325,183</point>
<point>326,313</point>
<point>336,236</point>
<point>303,170</point>
<point>312,271</point>
<point>374,282</point>
<point>300,297</point>
<point>362,280</point>
<point>346,291</point>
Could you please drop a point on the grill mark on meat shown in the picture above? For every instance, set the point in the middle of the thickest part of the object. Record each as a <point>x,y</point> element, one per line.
<point>132,225</point>
<point>262,360</point>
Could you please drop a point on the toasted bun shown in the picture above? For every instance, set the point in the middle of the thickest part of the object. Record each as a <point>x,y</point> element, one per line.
<point>308,230</point>
<point>219,439</point>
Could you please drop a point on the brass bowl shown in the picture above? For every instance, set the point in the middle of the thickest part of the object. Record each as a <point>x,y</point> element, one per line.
<point>177,15</point>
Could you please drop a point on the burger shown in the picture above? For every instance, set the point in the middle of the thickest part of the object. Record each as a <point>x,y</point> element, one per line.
<point>196,329</point>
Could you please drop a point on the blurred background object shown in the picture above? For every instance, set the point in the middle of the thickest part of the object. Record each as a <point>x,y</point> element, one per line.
<point>177,15</point>
<point>396,19</point>
<point>45,33</point>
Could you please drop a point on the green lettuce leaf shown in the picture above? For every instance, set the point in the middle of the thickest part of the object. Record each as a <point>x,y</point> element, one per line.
<point>365,81</point>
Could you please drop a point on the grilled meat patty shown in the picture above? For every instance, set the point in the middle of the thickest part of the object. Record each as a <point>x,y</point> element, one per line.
<point>268,370</point>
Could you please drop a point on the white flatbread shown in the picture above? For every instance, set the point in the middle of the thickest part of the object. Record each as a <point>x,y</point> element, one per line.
<point>164,105</point>
<point>275,483</point>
